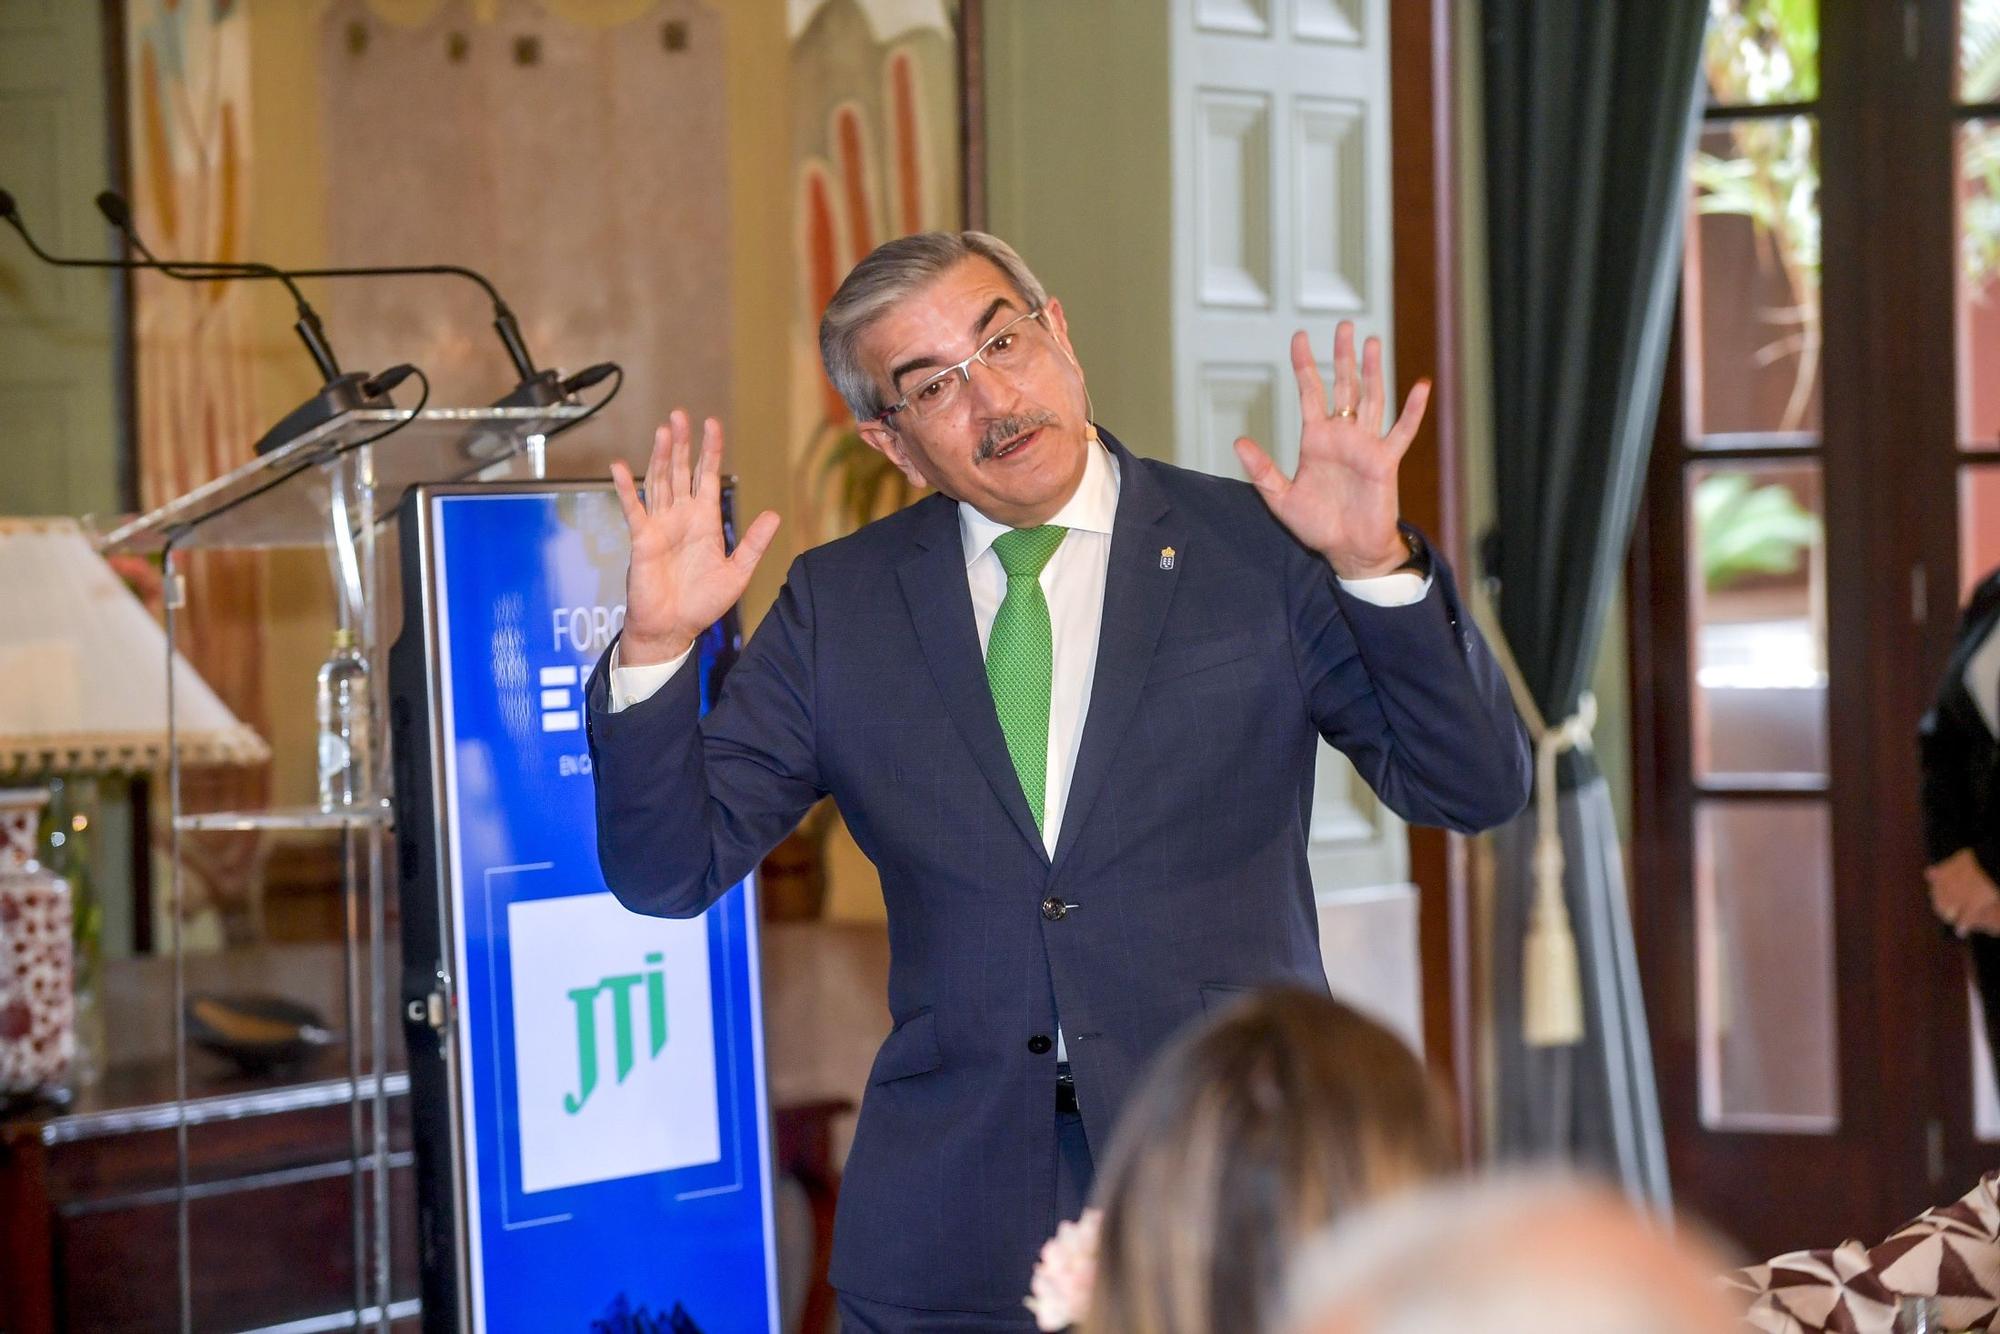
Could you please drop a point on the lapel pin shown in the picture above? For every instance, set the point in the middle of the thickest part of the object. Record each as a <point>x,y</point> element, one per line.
<point>1166,558</point>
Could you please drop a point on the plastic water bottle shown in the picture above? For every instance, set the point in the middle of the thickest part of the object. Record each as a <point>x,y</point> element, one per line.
<point>1919,1315</point>
<point>345,737</point>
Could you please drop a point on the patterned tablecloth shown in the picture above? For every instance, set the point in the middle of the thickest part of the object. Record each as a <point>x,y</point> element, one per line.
<point>1951,1252</point>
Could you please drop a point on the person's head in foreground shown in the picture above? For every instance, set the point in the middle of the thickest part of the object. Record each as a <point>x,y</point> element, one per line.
<point>1520,1255</point>
<point>1251,1132</point>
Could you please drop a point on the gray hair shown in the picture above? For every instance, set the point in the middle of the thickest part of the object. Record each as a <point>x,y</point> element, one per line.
<point>889,273</point>
<point>1513,1254</point>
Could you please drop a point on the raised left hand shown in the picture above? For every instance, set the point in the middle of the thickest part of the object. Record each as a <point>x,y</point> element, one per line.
<point>1342,500</point>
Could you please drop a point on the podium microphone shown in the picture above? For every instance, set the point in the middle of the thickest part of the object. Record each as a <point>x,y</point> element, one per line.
<point>311,332</point>
<point>344,391</point>
<point>536,388</point>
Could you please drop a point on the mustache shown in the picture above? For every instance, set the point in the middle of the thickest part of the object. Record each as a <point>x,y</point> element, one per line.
<point>1008,428</point>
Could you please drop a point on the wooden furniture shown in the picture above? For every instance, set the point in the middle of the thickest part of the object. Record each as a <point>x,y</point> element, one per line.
<point>87,1213</point>
<point>804,1147</point>
<point>88,1201</point>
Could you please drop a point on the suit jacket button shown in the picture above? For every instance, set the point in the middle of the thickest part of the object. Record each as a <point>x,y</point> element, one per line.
<point>1054,909</point>
<point>1040,1044</point>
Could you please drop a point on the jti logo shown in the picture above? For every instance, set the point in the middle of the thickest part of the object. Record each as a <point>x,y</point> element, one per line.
<point>620,988</point>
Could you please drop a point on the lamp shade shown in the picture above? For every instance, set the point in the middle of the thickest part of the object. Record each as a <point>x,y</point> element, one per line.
<point>83,667</point>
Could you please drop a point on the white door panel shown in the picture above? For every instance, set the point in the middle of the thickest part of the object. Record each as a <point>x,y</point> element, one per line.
<point>1281,200</point>
<point>1197,179</point>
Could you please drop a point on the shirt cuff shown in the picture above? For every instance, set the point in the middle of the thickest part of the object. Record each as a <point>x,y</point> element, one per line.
<point>636,685</point>
<point>1401,589</point>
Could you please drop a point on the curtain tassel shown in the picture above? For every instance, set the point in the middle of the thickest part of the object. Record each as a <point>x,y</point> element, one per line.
<point>1551,983</point>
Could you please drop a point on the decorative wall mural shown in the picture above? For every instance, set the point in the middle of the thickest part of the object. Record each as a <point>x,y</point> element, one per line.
<point>197,416</point>
<point>575,153</point>
<point>875,118</point>
<point>579,152</point>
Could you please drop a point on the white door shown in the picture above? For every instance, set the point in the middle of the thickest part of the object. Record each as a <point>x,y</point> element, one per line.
<point>1281,208</point>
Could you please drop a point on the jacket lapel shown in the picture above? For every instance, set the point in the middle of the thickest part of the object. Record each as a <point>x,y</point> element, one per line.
<point>1138,587</point>
<point>940,600</point>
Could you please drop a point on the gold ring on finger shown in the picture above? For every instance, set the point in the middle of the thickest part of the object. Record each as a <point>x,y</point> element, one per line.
<point>1343,412</point>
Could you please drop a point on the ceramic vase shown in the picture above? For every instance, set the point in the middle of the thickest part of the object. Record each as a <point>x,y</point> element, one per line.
<point>37,974</point>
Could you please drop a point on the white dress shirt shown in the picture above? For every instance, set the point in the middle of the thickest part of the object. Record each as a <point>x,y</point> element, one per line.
<point>1073,583</point>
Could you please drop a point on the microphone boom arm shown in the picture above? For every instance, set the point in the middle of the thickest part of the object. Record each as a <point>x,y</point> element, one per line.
<point>119,214</point>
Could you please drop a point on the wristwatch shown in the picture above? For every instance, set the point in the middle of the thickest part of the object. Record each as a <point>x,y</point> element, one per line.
<point>1419,561</point>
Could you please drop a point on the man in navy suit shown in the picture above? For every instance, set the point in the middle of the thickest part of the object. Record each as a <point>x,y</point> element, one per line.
<point>1068,706</point>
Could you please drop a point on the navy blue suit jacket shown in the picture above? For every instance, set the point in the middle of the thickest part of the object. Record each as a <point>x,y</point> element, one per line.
<point>1183,847</point>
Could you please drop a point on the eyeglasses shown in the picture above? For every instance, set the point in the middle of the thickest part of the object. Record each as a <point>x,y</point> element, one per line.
<point>1008,351</point>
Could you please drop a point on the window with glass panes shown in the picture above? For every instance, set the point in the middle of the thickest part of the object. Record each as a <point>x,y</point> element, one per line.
<point>1824,490</point>
<point>1977,308</point>
<point>1751,467</point>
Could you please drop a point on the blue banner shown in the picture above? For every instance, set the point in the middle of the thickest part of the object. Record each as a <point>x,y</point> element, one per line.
<point>611,1066</point>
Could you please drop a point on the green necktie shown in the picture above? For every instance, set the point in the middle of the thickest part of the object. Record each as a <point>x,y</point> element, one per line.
<point>1020,656</point>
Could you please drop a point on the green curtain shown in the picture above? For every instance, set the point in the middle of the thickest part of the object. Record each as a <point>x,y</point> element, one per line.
<point>1590,111</point>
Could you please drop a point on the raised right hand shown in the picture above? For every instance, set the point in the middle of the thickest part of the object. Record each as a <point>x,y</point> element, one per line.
<point>680,580</point>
